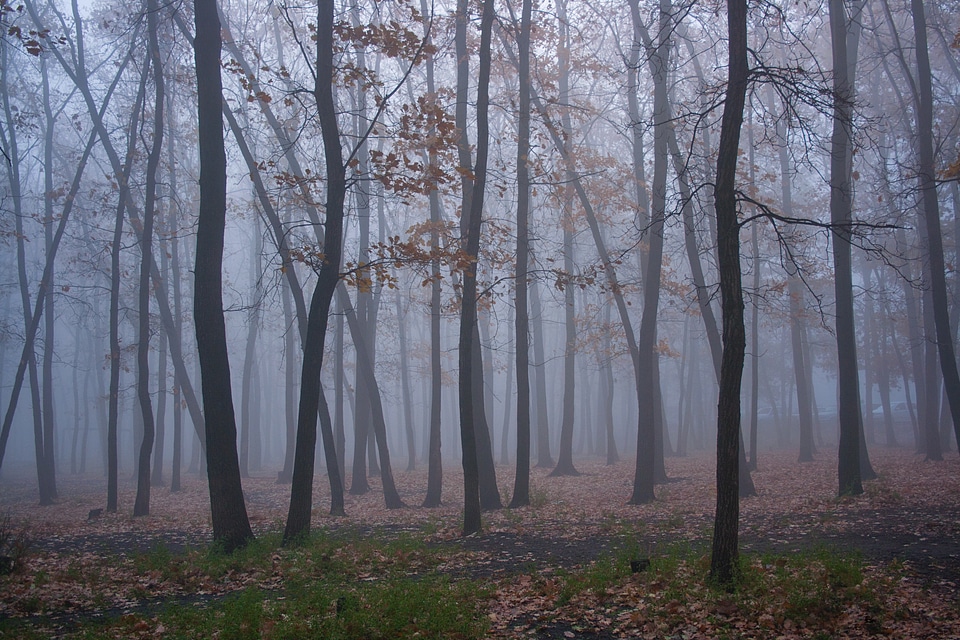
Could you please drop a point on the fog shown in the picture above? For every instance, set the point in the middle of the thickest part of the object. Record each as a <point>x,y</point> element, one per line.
<point>594,91</point>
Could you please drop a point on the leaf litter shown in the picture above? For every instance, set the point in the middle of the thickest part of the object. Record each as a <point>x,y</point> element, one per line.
<point>538,560</point>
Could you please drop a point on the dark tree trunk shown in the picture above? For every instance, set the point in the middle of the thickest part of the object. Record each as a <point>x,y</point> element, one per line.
<point>333,469</point>
<point>113,418</point>
<point>544,458</point>
<point>28,360</point>
<point>645,476</point>
<point>141,505</point>
<point>471,249</point>
<point>298,516</point>
<point>49,468</point>
<point>521,483</point>
<point>931,215</point>
<point>795,291</point>
<point>841,217</point>
<point>178,321</point>
<point>509,390</point>
<point>565,465</point>
<point>434,457</point>
<point>725,553</point>
<point>231,527</point>
<point>339,427</point>
<point>489,492</point>
<point>704,295</point>
<point>613,456</point>
<point>156,474</point>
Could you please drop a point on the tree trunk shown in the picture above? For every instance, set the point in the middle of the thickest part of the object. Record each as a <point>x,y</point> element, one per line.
<point>521,486</point>
<point>795,292</point>
<point>508,392</point>
<point>470,243</point>
<point>646,344</point>
<point>565,466</point>
<point>231,527</point>
<point>725,553</point>
<point>298,516</point>
<point>49,461</point>
<point>333,474</point>
<point>28,359</point>
<point>250,351</point>
<point>841,218</point>
<point>544,459</point>
<point>931,214</point>
<point>405,386</point>
<point>141,505</point>
<point>434,457</point>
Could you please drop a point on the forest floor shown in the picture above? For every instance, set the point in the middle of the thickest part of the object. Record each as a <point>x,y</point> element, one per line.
<point>883,564</point>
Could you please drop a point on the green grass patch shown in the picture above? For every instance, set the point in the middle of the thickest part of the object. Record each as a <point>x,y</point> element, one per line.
<point>348,584</point>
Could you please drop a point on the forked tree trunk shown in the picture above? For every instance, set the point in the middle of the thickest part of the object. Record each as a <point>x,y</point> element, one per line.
<point>470,245</point>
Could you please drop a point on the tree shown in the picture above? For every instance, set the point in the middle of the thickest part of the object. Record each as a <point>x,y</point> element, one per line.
<point>434,457</point>
<point>141,505</point>
<point>328,276</point>
<point>565,465</point>
<point>725,552</point>
<point>521,484</point>
<point>470,246</point>
<point>231,527</point>
<point>841,169</point>
<point>931,216</point>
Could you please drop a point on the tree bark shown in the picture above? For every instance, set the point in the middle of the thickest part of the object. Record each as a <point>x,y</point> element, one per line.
<point>565,466</point>
<point>931,214</point>
<point>521,484</point>
<point>231,527</point>
<point>141,505</point>
<point>470,244</point>
<point>725,552</point>
<point>434,456</point>
<point>49,466</point>
<point>841,217</point>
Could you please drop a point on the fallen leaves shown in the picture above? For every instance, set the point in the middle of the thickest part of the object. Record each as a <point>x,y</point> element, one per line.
<point>532,556</point>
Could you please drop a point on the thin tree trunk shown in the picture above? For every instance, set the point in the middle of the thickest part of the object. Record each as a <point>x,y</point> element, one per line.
<point>250,351</point>
<point>49,461</point>
<point>544,459</point>
<point>565,466</point>
<point>434,456</point>
<point>156,475</point>
<point>508,393</point>
<point>521,486</point>
<point>141,505</point>
<point>405,387</point>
